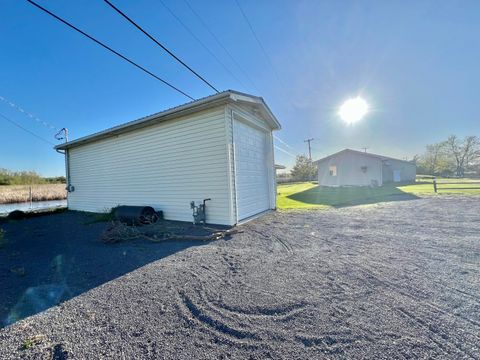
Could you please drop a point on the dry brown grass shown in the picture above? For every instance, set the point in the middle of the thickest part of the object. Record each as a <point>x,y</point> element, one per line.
<point>21,193</point>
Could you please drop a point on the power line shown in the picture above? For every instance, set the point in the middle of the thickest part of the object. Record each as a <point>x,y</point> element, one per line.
<point>258,41</point>
<point>110,49</point>
<point>30,115</point>
<point>202,43</point>
<point>26,130</point>
<point>284,151</point>
<point>283,142</point>
<point>169,52</point>
<point>221,45</point>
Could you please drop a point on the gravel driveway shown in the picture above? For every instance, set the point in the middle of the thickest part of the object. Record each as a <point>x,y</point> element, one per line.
<point>392,280</point>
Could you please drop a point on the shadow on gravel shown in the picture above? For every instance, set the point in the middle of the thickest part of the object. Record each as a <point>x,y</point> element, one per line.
<point>350,196</point>
<point>47,260</point>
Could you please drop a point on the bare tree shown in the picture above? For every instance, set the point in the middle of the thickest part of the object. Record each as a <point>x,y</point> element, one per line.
<point>464,152</point>
<point>433,161</point>
<point>415,159</point>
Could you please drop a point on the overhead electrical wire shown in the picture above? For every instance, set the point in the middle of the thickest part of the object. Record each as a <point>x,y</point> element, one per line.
<point>201,43</point>
<point>197,15</point>
<point>110,49</point>
<point>169,52</point>
<point>283,142</point>
<point>26,130</point>
<point>284,151</point>
<point>270,63</point>
<point>30,115</point>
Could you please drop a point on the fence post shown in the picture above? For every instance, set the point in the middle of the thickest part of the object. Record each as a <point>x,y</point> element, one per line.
<point>31,197</point>
<point>435,184</point>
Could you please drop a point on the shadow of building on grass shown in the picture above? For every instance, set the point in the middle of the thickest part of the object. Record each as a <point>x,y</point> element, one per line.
<point>349,196</point>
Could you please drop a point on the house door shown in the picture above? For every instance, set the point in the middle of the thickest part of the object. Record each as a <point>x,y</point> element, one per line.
<point>397,175</point>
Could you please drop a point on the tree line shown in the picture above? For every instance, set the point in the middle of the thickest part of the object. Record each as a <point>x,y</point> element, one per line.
<point>8,177</point>
<point>451,157</point>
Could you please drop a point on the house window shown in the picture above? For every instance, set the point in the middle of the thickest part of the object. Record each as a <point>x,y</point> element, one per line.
<point>333,170</point>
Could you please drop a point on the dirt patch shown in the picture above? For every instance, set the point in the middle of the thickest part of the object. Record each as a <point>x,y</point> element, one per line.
<point>392,280</point>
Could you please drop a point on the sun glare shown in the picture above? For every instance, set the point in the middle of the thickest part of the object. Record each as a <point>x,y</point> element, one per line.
<point>353,110</point>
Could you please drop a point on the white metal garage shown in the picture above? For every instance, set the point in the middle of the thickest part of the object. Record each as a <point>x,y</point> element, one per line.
<point>219,147</point>
<point>356,168</point>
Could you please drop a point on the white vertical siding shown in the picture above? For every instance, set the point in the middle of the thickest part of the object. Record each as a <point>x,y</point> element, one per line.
<point>249,117</point>
<point>349,170</point>
<point>252,176</point>
<point>165,166</point>
<point>408,171</point>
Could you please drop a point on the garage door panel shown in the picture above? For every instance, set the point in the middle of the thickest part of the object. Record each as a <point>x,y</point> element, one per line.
<point>251,170</point>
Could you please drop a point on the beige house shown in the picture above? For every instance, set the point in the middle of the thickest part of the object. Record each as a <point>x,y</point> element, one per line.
<point>356,168</point>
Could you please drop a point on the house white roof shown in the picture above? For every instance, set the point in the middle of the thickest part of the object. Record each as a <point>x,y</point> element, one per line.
<point>381,157</point>
<point>190,107</point>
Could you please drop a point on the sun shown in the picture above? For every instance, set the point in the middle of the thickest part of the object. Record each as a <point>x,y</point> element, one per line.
<point>353,110</point>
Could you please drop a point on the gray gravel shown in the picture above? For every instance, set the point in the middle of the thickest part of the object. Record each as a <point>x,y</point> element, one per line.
<point>392,280</point>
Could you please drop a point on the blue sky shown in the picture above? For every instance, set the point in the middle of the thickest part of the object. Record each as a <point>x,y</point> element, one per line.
<point>415,62</point>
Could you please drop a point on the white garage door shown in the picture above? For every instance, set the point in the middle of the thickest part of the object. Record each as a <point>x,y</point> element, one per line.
<point>251,170</point>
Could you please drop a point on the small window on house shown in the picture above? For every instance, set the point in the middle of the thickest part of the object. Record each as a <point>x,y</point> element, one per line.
<point>333,170</point>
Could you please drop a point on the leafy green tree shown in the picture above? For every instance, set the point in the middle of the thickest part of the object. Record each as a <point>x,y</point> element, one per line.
<point>304,169</point>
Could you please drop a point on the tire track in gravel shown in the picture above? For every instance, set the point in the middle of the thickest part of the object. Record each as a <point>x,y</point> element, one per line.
<point>254,315</point>
<point>472,296</point>
<point>275,313</point>
<point>285,244</point>
<point>222,332</point>
<point>243,326</point>
<point>395,288</point>
<point>375,280</point>
<point>284,310</point>
<point>198,313</point>
<point>235,276</point>
<point>444,343</point>
<point>334,343</point>
<point>278,313</point>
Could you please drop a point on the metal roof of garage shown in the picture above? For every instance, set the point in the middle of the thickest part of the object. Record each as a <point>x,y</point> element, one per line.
<point>381,157</point>
<point>174,112</point>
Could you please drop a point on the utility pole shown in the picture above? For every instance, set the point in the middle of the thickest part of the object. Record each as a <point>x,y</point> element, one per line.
<point>62,134</point>
<point>309,147</point>
<point>365,149</point>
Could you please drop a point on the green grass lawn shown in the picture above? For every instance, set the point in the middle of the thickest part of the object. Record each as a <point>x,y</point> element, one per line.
<point>308,195</point>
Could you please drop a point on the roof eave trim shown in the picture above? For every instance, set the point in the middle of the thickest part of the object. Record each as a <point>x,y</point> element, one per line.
<point>379,157</point>
<point>238,96</point>
<point>212,101</point>
<point>147,121</point>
